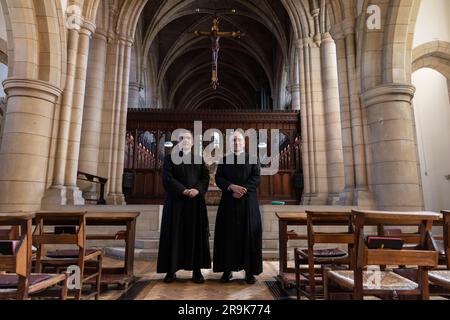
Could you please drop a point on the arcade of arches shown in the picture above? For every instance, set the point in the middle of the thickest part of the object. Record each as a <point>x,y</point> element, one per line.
<point>71,82</point>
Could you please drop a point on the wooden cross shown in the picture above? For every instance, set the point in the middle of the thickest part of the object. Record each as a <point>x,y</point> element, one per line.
<point>215,34</point>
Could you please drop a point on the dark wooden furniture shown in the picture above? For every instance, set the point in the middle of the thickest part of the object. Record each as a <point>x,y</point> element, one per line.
<point>97,180</point>
<point>440,279</point>
<point>16,279</point>
<point>120,276</point>
<point>285,220</point>
<point>148,130</point>
<point>446,236</point>
<point>313,256</point>
<point>361,282</point>
<point>73,234</point>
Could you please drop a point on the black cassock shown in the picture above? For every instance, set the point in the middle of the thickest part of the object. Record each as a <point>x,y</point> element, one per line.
<point>238,233</point>
<point>184,241</point>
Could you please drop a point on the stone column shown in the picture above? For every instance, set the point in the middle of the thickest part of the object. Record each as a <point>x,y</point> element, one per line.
<point>316,127</point>
<point>74,195</point>
<point>56,194</point>
<point>93,104</point>
<point>295,88</point>
<point>26,140</point>
<point>391,140</point>
<point>335,161</point>
<point>347,196</point>
<point>64,190</point>
<point>304,119</point>
<point>114,119</point>
<point>133,95</point>
<point>121,134</point>
<point>362,194</point>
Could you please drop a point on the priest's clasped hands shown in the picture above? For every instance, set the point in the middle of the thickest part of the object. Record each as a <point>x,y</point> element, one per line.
<point>238,191</point>
<point>191,193</point>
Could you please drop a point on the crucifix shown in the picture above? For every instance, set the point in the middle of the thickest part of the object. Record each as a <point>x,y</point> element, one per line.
<point>215,34</point>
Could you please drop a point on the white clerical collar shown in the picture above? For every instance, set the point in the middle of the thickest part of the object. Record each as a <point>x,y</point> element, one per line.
<point>186,152</point>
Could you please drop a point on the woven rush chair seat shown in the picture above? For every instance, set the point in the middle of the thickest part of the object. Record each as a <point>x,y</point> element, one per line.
<point>9,283</point>
<point>440,277</point>
<point>374,280</point>
<point>71,253</point>
<point>325,254</point>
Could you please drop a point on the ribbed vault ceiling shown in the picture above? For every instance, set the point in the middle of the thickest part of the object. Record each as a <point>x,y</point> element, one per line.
<point>183,61</point>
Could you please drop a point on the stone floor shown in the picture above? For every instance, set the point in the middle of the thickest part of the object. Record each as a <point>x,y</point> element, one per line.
<point>151,287</point>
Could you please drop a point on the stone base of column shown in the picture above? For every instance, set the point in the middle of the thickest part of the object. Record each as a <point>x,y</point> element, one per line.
<point>346,197</point>
<point>116,199</point>
<point>316,199</point>
<point>364,199</point>
<point>63,196</point>
<point>333,199</point>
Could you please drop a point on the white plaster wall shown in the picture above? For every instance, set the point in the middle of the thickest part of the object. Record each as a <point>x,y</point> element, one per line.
<point>433,22</point>
<point>432,112</point>
<point>432,108</point>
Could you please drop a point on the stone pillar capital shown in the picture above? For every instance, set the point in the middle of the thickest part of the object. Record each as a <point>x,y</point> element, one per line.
<point>400,92</point>
<point>294,88</point>
<point>125,41</point>
<point>88,28</point>
<point>308,42</point>
<point>327,38</point>
<point>16,87</point>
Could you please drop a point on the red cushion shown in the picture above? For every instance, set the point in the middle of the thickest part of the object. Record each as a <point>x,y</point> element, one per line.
<point>68,254</point>
<point>11,281</point>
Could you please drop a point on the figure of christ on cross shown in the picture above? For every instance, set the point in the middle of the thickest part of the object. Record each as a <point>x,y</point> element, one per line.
<point>215,34</point>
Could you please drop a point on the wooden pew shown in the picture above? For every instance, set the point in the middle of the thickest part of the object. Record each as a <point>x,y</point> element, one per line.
<point>82,257</point>
<point>360,282</point>
<point>97,180</point>
<point>313,257</point>
<point>16,280</point>
<point>440,279</point>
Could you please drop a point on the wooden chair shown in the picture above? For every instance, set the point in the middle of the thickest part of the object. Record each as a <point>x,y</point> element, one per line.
<point>16,280</point>
<point>313,256</point>
<point>72,232</point>
<point>446,236</point>
<point>440,279</point>
<point>361,282</point>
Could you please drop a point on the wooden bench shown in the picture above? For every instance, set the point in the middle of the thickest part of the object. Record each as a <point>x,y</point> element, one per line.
<point>16,280</point>
<point>440,279</point>
<point>360,282</point>
<point>83,176</point>
<point>313,257</point>
<point>72,231</point>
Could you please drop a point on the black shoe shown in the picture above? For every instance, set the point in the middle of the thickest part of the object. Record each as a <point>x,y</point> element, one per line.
<point>226,277</point>
<point>197,277</point>
<point>170,277</point>
<point>250,278</point>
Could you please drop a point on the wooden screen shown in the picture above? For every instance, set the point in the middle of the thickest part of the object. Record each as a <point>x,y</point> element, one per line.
<point>149,131</point>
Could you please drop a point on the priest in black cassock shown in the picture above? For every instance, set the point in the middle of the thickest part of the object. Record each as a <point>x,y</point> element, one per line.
<point>184,241</point>
<point>238,234</point>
